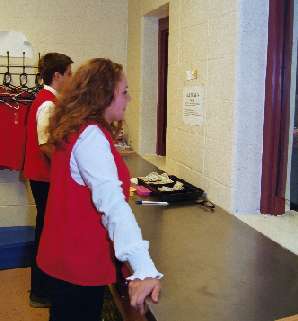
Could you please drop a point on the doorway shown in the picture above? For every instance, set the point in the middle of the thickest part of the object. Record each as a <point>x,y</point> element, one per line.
<point>153,86</point>
<point>163,40</point>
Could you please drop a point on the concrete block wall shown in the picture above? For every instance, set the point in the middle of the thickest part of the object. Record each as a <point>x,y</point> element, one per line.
<point>225,40</point>
<point>202,37</point>
<point>251,55</point>
<point>208,36</point>
<point>207,44</point>
<point>16,201</point>
<point>81,29</point>
<point>133,118</point>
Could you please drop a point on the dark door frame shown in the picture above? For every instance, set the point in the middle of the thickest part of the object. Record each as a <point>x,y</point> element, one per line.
<point>277,107</point>
<point>163,34</point>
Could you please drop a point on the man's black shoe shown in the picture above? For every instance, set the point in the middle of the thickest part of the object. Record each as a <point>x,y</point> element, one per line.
<point>39,302</point>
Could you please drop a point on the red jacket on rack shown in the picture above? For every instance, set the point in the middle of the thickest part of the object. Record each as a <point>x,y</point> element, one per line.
<point>37,166</point>
<point>13,135</point>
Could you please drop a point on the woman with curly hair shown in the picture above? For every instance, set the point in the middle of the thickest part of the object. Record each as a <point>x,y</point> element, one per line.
<point>88,220</point>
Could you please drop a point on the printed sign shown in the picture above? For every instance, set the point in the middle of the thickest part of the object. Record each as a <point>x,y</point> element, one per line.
<point>193,105</point>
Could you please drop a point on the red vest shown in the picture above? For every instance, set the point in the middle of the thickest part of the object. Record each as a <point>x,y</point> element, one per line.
<point>75,246</point>
<point>37,166</point>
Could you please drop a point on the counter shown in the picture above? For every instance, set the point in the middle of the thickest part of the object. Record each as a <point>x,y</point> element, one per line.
<point>216,267</point>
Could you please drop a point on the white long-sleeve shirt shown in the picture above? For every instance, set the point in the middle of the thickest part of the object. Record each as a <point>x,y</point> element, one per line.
<point>100,175</point>
<point>43,115</point>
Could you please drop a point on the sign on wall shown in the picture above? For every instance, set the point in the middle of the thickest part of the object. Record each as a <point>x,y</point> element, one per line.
<point>193,105</point>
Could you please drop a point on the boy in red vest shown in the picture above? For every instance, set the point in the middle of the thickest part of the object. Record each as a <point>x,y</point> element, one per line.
<point>55,69</point>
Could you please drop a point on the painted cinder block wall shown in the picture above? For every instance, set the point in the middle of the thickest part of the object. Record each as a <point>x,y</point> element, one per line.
<point>81,29</point>
<point>225,40</point>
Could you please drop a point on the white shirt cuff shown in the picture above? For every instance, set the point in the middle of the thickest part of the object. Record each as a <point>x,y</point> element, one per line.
<point>142,265</point>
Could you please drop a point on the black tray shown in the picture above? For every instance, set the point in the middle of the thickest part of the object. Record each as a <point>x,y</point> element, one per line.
<point>189,193</point>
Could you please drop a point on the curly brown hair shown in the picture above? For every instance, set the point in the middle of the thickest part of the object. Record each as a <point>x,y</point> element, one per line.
<point>85,98</point>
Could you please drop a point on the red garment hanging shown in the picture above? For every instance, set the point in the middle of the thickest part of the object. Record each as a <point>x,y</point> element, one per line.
<point>12,134</point>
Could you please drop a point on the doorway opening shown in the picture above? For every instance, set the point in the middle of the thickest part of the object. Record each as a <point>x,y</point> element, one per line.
<point>153,99</point>
<point>163,41</point>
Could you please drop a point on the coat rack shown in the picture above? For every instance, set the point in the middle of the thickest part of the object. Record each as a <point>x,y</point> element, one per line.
<point>23,75</point>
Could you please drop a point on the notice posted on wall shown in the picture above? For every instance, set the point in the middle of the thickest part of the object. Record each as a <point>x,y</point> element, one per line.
<point>193,97</point>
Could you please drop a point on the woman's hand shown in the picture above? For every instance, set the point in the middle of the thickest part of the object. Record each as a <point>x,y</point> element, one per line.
<point>139,290</point>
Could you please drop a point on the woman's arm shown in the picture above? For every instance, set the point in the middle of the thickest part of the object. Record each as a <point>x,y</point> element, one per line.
<point>92,164</point>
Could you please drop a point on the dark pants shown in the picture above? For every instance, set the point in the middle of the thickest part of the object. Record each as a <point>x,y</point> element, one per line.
<point>71,302</point>
<point>39,280</point>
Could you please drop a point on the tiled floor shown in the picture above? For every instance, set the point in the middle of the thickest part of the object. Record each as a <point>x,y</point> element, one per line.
<point>14,302</point>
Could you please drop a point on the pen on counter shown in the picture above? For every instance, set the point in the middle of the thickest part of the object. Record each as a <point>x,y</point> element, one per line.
<point>153,203</point>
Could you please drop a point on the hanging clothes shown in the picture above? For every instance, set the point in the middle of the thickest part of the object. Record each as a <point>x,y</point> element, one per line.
<point>12,135</point>
<point>14,109</point>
